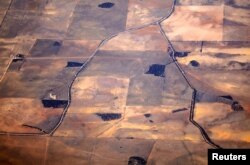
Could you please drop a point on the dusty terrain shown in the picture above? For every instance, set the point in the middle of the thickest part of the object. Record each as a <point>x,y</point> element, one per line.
<point>153,82</point>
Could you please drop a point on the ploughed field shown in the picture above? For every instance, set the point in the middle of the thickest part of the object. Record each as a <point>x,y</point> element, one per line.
<point>123,82</point>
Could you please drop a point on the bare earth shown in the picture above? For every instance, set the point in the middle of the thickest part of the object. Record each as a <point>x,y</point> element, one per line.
<point>94,82</point>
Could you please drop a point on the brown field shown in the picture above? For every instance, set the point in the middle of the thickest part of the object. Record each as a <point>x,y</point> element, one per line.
<point>88,82</point>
